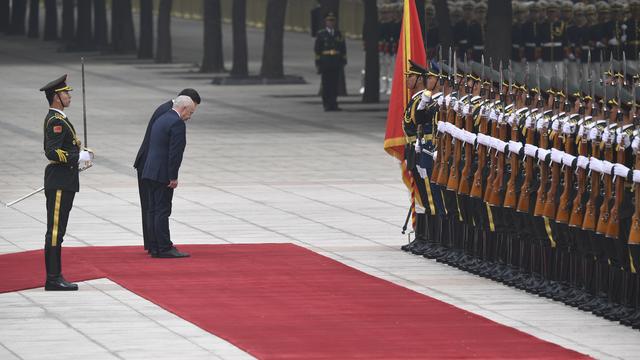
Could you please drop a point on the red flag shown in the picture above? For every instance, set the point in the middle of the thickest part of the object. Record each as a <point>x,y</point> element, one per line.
<point>410,47</point>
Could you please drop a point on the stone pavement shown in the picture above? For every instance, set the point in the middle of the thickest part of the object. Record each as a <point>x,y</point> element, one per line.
<point>263,164</point>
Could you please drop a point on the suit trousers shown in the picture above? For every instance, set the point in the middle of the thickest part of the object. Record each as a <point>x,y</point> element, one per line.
<point>330,87</point>
<point>158,212</point>
<point>144,207</point>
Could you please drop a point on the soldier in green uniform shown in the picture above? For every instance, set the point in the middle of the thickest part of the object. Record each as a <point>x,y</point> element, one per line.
<point>331,56</point>
<point>62,148</point>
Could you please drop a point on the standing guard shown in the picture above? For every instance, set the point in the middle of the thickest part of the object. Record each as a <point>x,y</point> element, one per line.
<point>331,56</point>
<point>63,149</point>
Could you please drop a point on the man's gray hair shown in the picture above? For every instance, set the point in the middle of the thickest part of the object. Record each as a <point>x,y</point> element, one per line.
<point>182,101</point>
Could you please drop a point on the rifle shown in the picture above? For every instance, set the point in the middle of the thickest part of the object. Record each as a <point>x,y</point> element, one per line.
<point>476,187</point>
<point>496,197</point>
<point>613,230</point>
<point>443,175</point>
<point>634,233</point>
<point>591,211</point>
<point>454,177</point>
<point>525,190</point>
<point>436,163</point>
<point>550,203</point>
<point>577,213</point>
<point>564,207</point>
<point>510,198</point>
<point>605,208</point>
<point>494,133</point>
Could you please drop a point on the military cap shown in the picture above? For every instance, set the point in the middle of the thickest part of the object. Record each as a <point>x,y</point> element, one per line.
<point>634,4</point>
<point>567,6</point>
<point>617,6</point>
<point>481,6</point>
<point>330,16</point>
<point>415,69</point>
<point>533,6</point>
<point>430,9</point>
<point>434,67</point>
<point>590,9</point>
<point>467,5</point>
<point>59,84</point>
<point>602,6</point>
<point>579,9</point>
<point>626,98</point>
<point>552,5</point>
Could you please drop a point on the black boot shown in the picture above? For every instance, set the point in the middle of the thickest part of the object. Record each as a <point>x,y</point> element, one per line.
<point>55,280</point>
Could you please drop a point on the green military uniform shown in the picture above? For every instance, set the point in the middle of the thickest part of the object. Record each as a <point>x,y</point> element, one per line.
<point>62,149</point>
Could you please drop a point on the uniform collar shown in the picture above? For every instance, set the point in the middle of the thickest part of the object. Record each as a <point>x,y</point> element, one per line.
<point>60,111</point>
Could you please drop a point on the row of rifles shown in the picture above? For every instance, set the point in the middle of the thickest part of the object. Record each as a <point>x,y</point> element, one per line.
<point>545,178</point>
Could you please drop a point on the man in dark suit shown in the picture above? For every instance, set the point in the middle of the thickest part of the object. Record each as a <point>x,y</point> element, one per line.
<point>166,147</point>
<point>141,157</point>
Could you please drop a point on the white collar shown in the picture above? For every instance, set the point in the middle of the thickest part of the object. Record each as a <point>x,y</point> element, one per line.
<point>60,111</point>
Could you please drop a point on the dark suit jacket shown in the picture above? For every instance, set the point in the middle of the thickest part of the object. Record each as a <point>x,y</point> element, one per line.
<point>144,148</point>
<point>166,147</point>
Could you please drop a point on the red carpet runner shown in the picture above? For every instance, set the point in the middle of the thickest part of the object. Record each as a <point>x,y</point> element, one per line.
<point>282,301</point>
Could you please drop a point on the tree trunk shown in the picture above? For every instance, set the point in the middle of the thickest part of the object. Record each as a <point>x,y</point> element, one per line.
<point>272,53</point>
<point>34,19</point>
<point>123,37</point>
<point>5,12</point>
<point>240,47</point>
<point>50,20</point>
<point>445,30</point>
<point>163,52</point>
<point>145,50</point>
<point>100,24</point>
<point>499,31</point>
<point>84,35</point>
<point>212,60</point>
<point>372,58</point>
<point>68,20</point>
<point>18,15</point>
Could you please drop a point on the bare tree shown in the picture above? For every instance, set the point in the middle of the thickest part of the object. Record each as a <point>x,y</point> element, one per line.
<point>123,38</point>
<point>5,11</point>
<point>499,31</point>
<point>68,20</point>
<point>100,24</point>
<point>273,49</point>
<point>84,33</point>
<point>240,47</point>
<point>212,60</point>
<point>34,19</point>
<point>372,58</point>
<point>50,20</point>
<point>163,49</point>
<point>18,16</point>
<point>145,48</point>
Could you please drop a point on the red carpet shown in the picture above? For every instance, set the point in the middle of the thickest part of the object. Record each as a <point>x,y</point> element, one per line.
<point>282,301</point>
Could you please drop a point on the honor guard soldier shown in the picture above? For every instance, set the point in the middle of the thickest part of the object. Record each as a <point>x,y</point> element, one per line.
<point>530,30</point>
<point>553,35</point>
<point>63,149</point>
<point>331,56</point>
<point>632,45</point>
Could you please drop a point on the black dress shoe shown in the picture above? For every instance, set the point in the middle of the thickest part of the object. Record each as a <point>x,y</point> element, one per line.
<point>171,254</point>
<point>58,283</point>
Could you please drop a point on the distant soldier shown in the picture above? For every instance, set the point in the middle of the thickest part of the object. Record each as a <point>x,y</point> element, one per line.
<point>553,35</point>
<point>618,30</point>
<point>331,56</point>
<point>601,31</point>
<point>632,45</point>
<point>63,149</point>
<point>578,34</point>
<point>462,30</point>
<point>433,35</point>
<point>530,30</point>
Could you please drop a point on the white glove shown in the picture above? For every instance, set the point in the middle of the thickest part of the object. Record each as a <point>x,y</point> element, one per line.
<point>529,121</point>
<point>599,44</point>
<point>466,110</point>
<point>85,156</point>
<point>425,99</point>
<point>542,154</point>
<point>583,161</point>
<point>606,167</point>
<point>493,115</point>
<point>572,57</point>
<point>581,131</point>
<point>556,155</point>
<point>635,144</point>
<point>623,139</point>
<point>567,159</point>
<point>530,150</point>
<point>636,176</point>
<point>485,111</point>
<point>541,123</point>
<point>621,170</point>
<point>613,42</point>
<point>417,148</point>
<point>594,133</point>
<point>470,137</point>
<point>595,165</point>
<point>455,104</point>
<point>623,38</point>
<point>499,145</point>
<point>456,132</point>
<point>555,124</point>
<point>441,100</point>
<point>484,139</point>
<point>607,136</point>
<point>568,128</point>
<point>441,126</point>
<point>515,147</point>
<point>512,119</point>
<point>435,155</point>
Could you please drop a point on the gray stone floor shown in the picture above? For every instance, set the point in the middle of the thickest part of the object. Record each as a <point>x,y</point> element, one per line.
<point>263,164</point>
